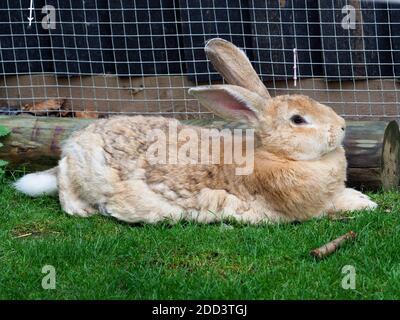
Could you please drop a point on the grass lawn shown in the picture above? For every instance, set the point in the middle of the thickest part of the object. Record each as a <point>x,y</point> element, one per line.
<point>101,258</point>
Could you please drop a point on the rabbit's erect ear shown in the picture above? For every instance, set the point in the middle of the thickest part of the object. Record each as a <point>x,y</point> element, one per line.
<point>233,64</point>
<point>230,102</point>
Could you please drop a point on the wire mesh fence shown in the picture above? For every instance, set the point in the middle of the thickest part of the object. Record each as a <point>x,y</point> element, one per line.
<point>97,58</point>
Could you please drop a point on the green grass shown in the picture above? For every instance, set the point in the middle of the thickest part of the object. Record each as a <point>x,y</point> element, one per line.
<point>100,258</point>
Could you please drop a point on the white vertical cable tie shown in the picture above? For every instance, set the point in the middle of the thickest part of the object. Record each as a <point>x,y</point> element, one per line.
<point>30,18</point>
<point>295,66</point>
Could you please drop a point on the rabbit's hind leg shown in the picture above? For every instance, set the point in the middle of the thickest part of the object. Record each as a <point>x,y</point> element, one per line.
<point>71,203</point>
<point>350,200</point>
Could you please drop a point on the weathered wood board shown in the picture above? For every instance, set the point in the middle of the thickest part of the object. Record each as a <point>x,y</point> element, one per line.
<point>355,38</point>
<point>167,95</point>
<point>104,94</point>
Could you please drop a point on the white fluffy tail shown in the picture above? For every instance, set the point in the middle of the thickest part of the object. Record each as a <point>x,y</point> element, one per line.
<point>39,183</point>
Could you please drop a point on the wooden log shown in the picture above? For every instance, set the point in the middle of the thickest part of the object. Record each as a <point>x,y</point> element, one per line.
<point>34,142</point>
<point>372,147</point>
<point>372,151</point>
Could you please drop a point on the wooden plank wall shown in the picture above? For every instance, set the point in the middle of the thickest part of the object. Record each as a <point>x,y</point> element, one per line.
<point>103,94</point>
<point>167,95</point>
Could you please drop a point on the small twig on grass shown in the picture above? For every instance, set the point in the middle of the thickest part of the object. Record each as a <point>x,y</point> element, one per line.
<point>332,246</point>
<point>34,233</point>
<point>23,235</point>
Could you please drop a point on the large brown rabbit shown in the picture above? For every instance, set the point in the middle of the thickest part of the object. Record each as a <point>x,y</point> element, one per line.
<point>298,164</point>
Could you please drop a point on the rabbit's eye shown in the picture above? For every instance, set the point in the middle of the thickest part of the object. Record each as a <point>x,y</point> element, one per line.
<point>296,119</point>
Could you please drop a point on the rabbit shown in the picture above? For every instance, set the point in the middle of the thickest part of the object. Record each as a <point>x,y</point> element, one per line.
<point>298,167</point>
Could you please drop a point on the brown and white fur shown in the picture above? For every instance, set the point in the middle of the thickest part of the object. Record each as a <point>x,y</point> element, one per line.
<point>299,168</point>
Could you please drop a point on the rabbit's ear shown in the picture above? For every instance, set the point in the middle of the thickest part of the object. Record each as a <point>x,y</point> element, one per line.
<point>230,102</point>
<point>233,64</point>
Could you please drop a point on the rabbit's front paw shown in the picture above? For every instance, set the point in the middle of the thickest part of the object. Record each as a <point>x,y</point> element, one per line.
<point>351,200</point>
<point>363,204</point>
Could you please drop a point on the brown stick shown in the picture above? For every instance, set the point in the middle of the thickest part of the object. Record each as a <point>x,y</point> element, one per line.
<point>332,246</point>
<point>23,235</point>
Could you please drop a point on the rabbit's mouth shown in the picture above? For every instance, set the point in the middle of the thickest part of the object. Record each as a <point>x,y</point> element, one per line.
<point>335,138</point>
